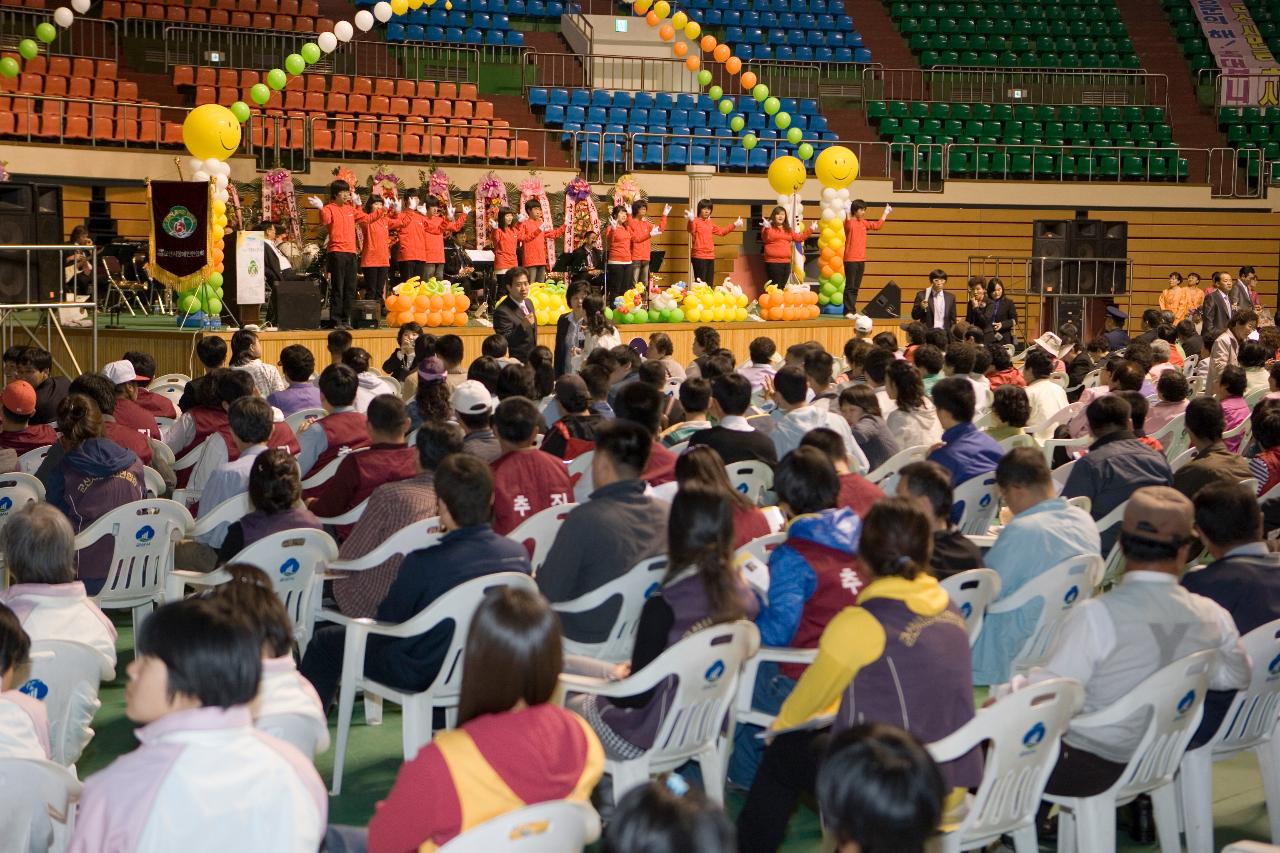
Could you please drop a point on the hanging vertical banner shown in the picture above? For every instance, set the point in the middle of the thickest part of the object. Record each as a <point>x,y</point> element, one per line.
<point>251,279</point>
<point>1250,72</point>
<point>181,245</point>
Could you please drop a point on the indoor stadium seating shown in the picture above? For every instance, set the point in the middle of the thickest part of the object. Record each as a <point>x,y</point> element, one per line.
<point>783,30</point>
<point>285,15</point>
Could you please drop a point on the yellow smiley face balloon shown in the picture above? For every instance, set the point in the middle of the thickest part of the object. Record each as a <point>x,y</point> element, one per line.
<point>786,175</point>
<point>836,167</point>
<point>211,132</point>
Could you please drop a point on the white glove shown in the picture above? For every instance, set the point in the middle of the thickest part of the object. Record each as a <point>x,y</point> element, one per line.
<point>413,203</point>
<point>888,208</point>
<point>655,231</point>
<point>737,223</point>
<point>688,214</point>
<point>450,211</point>
<point>522,217</point>
<point>355,199</point>
<point>315,202</point>
<point>612,222</point>
<point>395,204</point>
<point>493,224</point>
<point>466,210</point>
<point>813,226</point>
<point>666,211</point>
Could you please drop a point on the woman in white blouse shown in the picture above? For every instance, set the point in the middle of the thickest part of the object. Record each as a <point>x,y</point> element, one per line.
<point>914,421</point>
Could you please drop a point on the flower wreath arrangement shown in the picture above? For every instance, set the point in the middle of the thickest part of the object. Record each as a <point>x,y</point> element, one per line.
<point>280,203</point>
<point>491,197</point>
<point>626,192</point>
<point>581,214</point>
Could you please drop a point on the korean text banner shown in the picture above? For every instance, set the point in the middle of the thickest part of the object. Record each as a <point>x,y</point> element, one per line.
<point>1250,73</point>
<point>181,244</point>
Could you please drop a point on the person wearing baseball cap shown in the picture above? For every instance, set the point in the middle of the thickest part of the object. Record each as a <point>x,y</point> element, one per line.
<point>574,433</point>
<point>1148,621</point>
<point>17,433</point>
<point>474,407</point>
<point>128,412</point>
<point>144,368</point>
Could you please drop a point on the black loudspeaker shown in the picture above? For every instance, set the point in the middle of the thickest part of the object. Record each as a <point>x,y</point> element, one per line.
<point>1065,309</point>
<point>887,304</point>
<point>1114,244</point>
<point>18,227</point>
<point>1087,242</point>
<point>297,305</point>
<point>366,314</point>
<point>1049,240</point>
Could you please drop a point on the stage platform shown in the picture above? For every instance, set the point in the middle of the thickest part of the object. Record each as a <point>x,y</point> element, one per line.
<point>174,349</point>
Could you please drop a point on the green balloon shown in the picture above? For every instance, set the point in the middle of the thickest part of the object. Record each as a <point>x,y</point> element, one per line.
<point>782,121</point>
<point>805,151</point>
<point>241,111</point>
<point>794,135</point>
<point>837,279</point>
<point>677,315</point>
<point>259,93</point>
<point>215,279</point>
<point>608,314</point>
<point>9,67</point>
<point>664,316</point>
<point>749,141</point>
<point>704,77</point>
<point>214,306</point>
<point>294,64</point>
<point>310,53</point>
<point>641,315</point>
<point>760,92</point>
<point>716,93</point>
<point>219,292</point>
<point>28,49</point>
<point>772,105</point>
<point>276,79</point>
<point>46,32</point>
<point>725,106</point>
<point>737,123</point>
<point>188,303</point>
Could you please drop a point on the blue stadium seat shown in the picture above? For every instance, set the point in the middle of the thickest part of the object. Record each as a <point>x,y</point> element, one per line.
<point>481,20</point>
<point>698,118</point>
<point>474,36</point>
<point>555,9</point>
<point>515,37</point>
<point>862,54</point>
<point>501,22</point>
<point>758,159</point>
<point>457,19</point>
<point>784,53</point>
<point>844,54</point>
<point>658,118</point>
<point>815,38</point>
<point>643,100</point>
<point>737,157</point>
<point>555,115</point>
<point>713,18</point>
<point>580,98</point>
<point>433,33</point>
<point>534,8</point>
<point>600,98</point>
<point>453,34</point>
<point>686,101</point>
<point>664,101</point>
<point>617,115</point>
<point>395,32</point>
<point>589,153</point>
<point>823,54</point>
<point>745,52</point>
<point>418,16</point>
<point>804,54</point>
<point>638,115</point>
<point>575,114</point>
<point>697,155</point>
<point>677,155</point>
<point>538,97</point>
<point>621,100</point>
<point>558,96</point>
<point>494,37</point>
<point>679,117</point>
<point>413,32</point>
<point>655,155</point>
<point>751,18</point>
<point>612,127</point>
<point>597,115</point>
<point>818,124</point>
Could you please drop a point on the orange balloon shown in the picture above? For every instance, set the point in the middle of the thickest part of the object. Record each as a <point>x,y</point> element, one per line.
<point>433,319</point>
<point>460,318</point>
<point>651,19</point>
<point>422,303</point>
<point>436,303</point>
<point>708,43</point>
<point>461,303</point>
<point>693,63</point>
<point>778,312</point>
<point>733,65</point>
<point>446,317</point>
<point>748,81</point>
<point>666,32</point>
<point>446,299</point>
<point>390,302</point>
<point>420,317</point>
<point>765,299</point>
<point>680,49</point>
<point>404,303</point>
<point>721,52</point>
<point>789,313</point>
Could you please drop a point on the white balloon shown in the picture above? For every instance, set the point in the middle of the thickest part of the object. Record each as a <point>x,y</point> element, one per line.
<point>828,194</point>
<point>80,6</point>
<point>843,192</point>
<point>63,17</point>
<point>364,20</point>
<point>343,30</point>
<point>221,194</point>
<point>328,42</point>
<point>201,177</point>
<point>827,214</point>
<point>382,11</point>
<point>195,164</point>
<point>220,181</point>
<point>217,167</point>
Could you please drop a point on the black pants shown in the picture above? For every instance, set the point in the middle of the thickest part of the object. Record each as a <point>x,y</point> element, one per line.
<point>779,274</point>
<point>322,665</point>
<point>1081,774</point>
<point>788,770</point>
<point>704,269</point>
<point>852,281</point>
<point>342,284</point>
<point>617,280</point>
<point>375,281</point>
<point>536,274</point>
<point>640,272</point>
<point>409,269</point>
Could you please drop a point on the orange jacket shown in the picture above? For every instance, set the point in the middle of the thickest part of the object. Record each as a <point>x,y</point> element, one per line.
<point>855,237</point>
<point>642,237</point>
<point>777,243</point>
<point>704,232</point>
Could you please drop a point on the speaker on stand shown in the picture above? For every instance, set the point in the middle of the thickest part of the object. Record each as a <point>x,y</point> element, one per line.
<point>1048,242</point>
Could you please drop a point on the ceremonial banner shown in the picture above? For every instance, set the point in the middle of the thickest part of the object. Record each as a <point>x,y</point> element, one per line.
<point>1250,72</point>
<point>181,245</point>
<point>251,279</point>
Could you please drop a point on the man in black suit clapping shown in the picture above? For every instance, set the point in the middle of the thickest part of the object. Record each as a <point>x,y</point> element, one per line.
<point>934,306</point>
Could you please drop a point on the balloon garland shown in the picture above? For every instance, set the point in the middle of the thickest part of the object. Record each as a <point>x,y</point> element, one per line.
<point>45,33</point>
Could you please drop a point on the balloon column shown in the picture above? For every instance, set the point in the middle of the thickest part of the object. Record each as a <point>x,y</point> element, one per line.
<point>429,303</point>
<point>836,168</point>
<point>787,176</point>
<point>45,33</point>
<point>211,134</point>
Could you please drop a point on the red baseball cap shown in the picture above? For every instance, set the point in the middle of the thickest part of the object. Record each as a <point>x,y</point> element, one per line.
<point>19,397</point>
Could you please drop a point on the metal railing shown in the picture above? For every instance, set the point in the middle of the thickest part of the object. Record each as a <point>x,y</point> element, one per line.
<point>108,124</point>
<point>655,74</point>
<point>89,38</point>
<point>1118,87</point>
<point>21,321</point>
<point>872,156</point>
<point>578,19</point>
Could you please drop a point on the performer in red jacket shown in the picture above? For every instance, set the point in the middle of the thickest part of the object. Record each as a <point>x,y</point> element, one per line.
<point>777,237</point>
<point>642,233</point>
<point>375,255</point>
<point>704,231</point>
<point>340,216</point>
<point>534,234</point>
<point>617,243</point>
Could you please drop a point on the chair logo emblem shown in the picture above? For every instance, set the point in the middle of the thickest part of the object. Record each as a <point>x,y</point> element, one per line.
<point>6,504</point>
<point>1274,666</point>
<point>145,534</point>
<point>1071,596</point>
<point>1185,703</point>
<point>648,593</point>
<point>35,688</point>
<point>966,610</point>
<point>742,487</point>
<point>714,672</point>
<point>290,568</point>
<point>985,501</point>
<point>1034,735</point>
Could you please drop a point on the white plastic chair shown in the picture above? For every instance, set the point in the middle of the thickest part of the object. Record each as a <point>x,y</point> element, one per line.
<point>751,478</point>
<point>421,534</point>
<point>633,588</point>
<point>65,676</point>
<point>886,475</point>
<point>191,456</point>
<point>1062,416</point>
<point>1243,431</point>
<point>168,379</point>
<point>972,592</point>
<point>1059,589</point>
<point>679,447</point>
<point>1189,365</point>
<point>351,516</point>
<point>298,418</point>
<point>29,462</point>
<point>1024,732</point>
<point>16,491</point>
<point>745,713</point>
<point>325,474</point>
<point>1249,724</point>
<point>560,826</point>
<point>1061,474</point>
<point>1020,439</point>
<point>229,511</point>
<point>171,391</point>
<point>760,547</point>
<point>162,451</point>
<point>153,482</point>
<point>1174,698</point>
<point>1182,458</point>
<point>1051,444</point>
<point>1172,436</point>
<point>580,476</point>
<point>145,533</point>
<point>538,531</point>
<point>1083,502</point>
<point>1114,564</point>
<point>979,501</point>
<point>455,607</point>
<point>39,805</point>
<point>706,666</point>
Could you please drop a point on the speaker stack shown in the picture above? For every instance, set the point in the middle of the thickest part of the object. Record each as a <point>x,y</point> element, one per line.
<point>30,214</point>
<point>1073,289</point>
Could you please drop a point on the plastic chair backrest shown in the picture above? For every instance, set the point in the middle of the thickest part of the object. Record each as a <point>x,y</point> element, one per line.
<point>760,547</point>
<point>1182,458</point>
<point>421,534</point>
<point>972,592</point>
<point>539,531</point>
<point>231,510</point>
<point>1252,717</point>
<point>554,827</point>
<point>29,462</point>
<point>1092,378</point>
<point>1060,417</point>
<point>751,478</point>
<point>191,457</point>
<point>292,559</point>
<point>633,588</point>
<point>1172,437</point>
<point>895,463</point>
<point>65,676</point>
<point>16,491</point>
<point>298,418</point>
<point>1061,473</point>
<point>160,450</point>
<point>154,482</point>
<point>178,379</point>
<point>580,475</point>
<point>145,533</point>
<point>979,501</point>
<point>37,797</point>
<point>325,474</point>
<point>1059,588</point>
<point>171,391</point>
<point>1017,440</point>
<point>1189,365</point>
<point>297,729</point>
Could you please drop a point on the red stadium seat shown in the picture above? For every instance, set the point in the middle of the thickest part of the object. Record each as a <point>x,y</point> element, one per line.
<point>206,95</point>
<point>476,148</point>
<point>79,68</point>
<point>399,107</point>
<point>268,6</point>
<point>384,87</point>
<point>133,10</point>
<point>112,10</point>
<point>59,66</point>
<point>77,128</point>
<point>177,14</point>
<point>388,142</point>
<point>436,146</point>
<point>310,7</point>
<point>357,103</point>
<point>107,68</point>
<point>322,25</point>
<point>462,109</point>
<point>262,21</point>
<point>336,102</point>
<point>406,89</point>
<point>290,7</point>
<point>361,86</point>
<point>380,104</point>
<point>228,77</point>
<point>184,75</point>
<point>467,91</point>
<point>55,86</point>
<point>196,15</point>
<point>104,89</point>
<point>315,82</point>
<point>448,91</point>
<point>154,12</point>
<point>442,108</point>
<point>498,149</point>
<point>340,83</point>
<point>301,24</point>
<point>219,18</point>
<point>127,90</point>
<point>295,84</point>
<point>363,143</point>
<point>206,76</point>
<point>522,149</point>
<point>294,101</point>
<point>248,79</point>
<point>314,102</point>
<point>39,65</point>
<point>103,129</point>
<point>412,144</point>
<point>148,131</point>
<point>420,107</point>
<point>80,87</point>
<point>426,89</point>
<point>452,146</point>
<point>484,109</point>
<point>7,122</point>
<point>321,136</point>
<point>241,19</point>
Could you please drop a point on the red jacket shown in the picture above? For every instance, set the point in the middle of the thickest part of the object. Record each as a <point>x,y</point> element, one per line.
<point>342,430</point>
<point>704,232</point>
<point>128,438</point>
<point>858,493</point>
<point>24,441</point>
<point>361,473</point>
<point>662,466</point>
<point>136,417</point>
<point>534,240</point>
<point>526,482</point>
<point>855,237</point>
<point>777,243</point>
<point>833,593</point>
<point>377,243</point>
<point>642,237</point>
<point>505,243</point>
<point>208,420</point>
<point>341,221</point>
<point>434,230</point>
<point>618,241</point>
<point>158,405</point>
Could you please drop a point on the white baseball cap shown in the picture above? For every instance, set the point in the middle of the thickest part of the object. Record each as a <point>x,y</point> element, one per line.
<point>472,398</point>
<point>862,323</point>
<point>120,372</point>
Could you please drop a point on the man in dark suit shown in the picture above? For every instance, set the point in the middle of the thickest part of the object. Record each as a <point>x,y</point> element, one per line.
<point>1243,288</point>
<point>934,306</point>
<point>569,326</point>
<point>1216,311</point>
<point>513,316</point>
<point>1244,576</point>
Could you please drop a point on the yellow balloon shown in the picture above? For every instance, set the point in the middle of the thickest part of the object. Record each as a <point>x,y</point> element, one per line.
<point>642,6</point>
<point>399,7</point>
<point>679,19</point>
<point>211,132</point>
<point>692,30</point>
<point>786,174</point>
<point>662,8</point>
<point>836,167</point>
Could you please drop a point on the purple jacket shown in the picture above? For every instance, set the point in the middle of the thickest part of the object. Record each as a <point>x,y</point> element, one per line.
<point>94,479</point>
<point>295,398</point>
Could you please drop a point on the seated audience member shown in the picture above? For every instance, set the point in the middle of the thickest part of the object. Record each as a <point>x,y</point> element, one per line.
<point>201,418</point>
<point>928,361</point>
<point>855,360</point>
<point>250,420</point>
<point>496,347</point>
<point>599,539</point>
<point>338,342</point>
<point>1116,374</point>
<point>966,451</point>
<point>1044,531</point>
<point>103,394</point>
<point>525,480</point>
<point>385,460</point>
<point>1244,576</point>
<point>370,384</point>
<point>914,420</point>
<point>1173,390</point>
<point>642,403</point>
<point>1002,371</point>
<point>275,493</point>
<point>1226,346</point>
<point>860,408</point>
<point>886,341</point>
<point>508,730</point>
<point>819,369</point>
<point>341,430</point>
<point>401,360</point>
<point>249,597</point>
<point>392,507</point>
<point>1047,397</point>
<point>702,468</point>
<point>17,433</point>
<point>1138,418</point>
<point>39,552</point>
<point>667,813</point>
<point>1190,341</point>
<point>959,361</point>
<point>246,355</point>
<point>1161,354</point>
<point>450,350</point>
<point>1084,362</point>
<point>197,670</point>
<point>626,370</point>
<point>233,385</point>
<point>877,370</point>
<point>1116,465</point>
<point>798,417</point>
<point>298,365</point>
<point>702,587</point>
<point>211,352</point>
<point>876,670</point>
<point>34,366</point>
<point>1010,410</point>
<point>127,411</point>
<point>733,436</point>
<point>856,491</point>
<point>468,550</point>
<point>1253,358</point>
<point>661,349</point>
<point>1110,643</point>
<point>144,370</point>
<point>473,405</point>
<point>1265,465</point>
<point>432,390</point>
<point>706,340</point>
<point>598,379</point>
<point>1213,462</point>
<point>574,433</point>
<point>879,789</point>
<point>695,399</point>
<point>759,371</point>
<point>928,486</point>
<point>24,721</point>
<point>1229,391</point>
